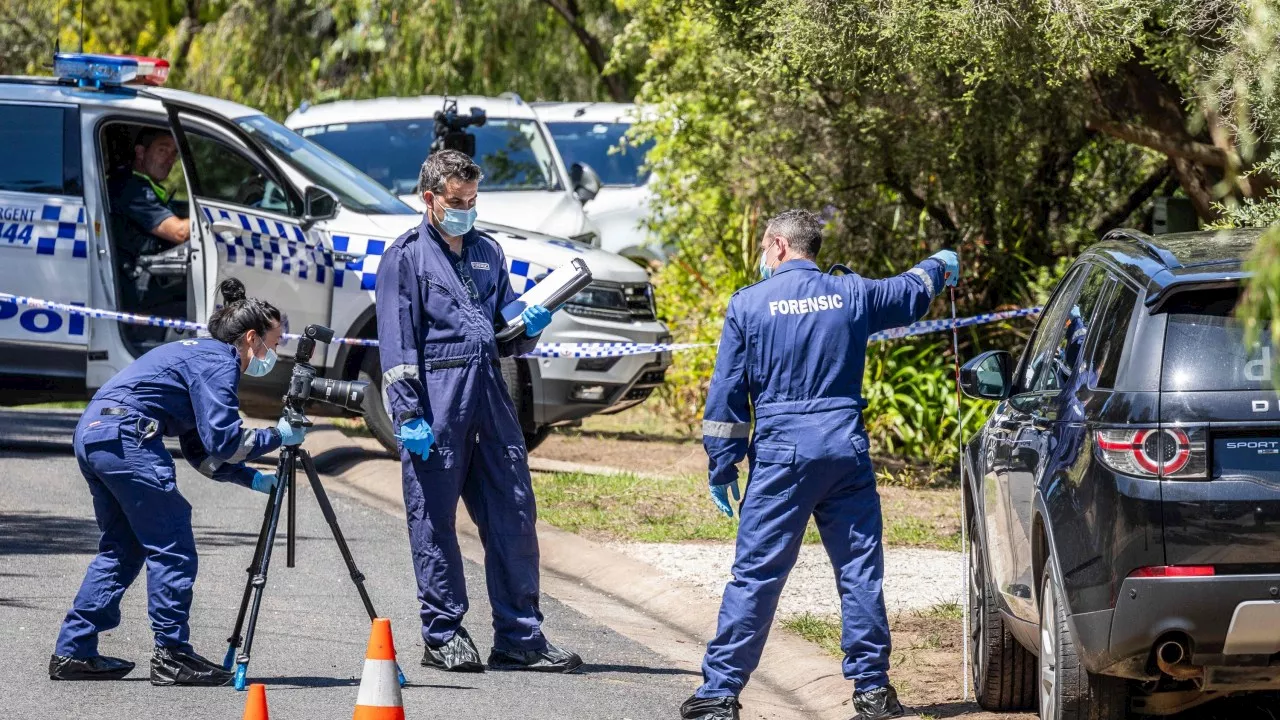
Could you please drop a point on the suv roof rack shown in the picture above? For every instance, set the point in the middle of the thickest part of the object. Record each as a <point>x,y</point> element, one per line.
<point>1147,244</point>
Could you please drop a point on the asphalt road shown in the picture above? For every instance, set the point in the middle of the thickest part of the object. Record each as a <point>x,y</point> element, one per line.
<point>312,632</point>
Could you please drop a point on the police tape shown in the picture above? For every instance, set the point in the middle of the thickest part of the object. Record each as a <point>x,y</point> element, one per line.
<point>543,350</point>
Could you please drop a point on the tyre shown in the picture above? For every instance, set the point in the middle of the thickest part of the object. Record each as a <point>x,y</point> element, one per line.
<point>1004,672</point>
<point>375,414</point>
<point>1067,691</point>
<point>515,374</point>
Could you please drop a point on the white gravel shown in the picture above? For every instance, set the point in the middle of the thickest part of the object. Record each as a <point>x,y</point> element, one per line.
<point>915,579</point>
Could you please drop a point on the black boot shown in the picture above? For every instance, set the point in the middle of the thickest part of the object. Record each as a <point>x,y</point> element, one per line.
<point>457,655</point>
<point>175,667</point>
<point>551,659</point>
<point>876,704</point>
<point>98,667</point>
<point>720,708</point>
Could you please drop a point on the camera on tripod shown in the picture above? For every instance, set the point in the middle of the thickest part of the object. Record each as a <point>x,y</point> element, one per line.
<point>451,128</point>
<point>304,385</point>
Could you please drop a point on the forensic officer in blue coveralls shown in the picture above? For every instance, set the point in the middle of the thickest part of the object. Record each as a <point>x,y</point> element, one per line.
<point>188,390</point>
<point>792,352</point>
<point>440,289</point>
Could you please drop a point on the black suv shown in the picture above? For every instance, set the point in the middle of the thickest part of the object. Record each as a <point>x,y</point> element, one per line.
<point>1123,499</point>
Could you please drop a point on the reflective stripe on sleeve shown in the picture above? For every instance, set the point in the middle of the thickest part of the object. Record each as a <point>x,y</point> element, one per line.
<point>247,438</point>
<point>210,466</point>
<point>395,375</point>
<point>928,281</point>
<point>728,430</point>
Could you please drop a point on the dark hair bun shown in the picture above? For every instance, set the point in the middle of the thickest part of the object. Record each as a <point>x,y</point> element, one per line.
<point>232,290</point>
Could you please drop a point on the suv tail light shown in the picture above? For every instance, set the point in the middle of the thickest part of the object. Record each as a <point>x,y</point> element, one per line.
<point>1162,571</point>
<point>1171,452</point>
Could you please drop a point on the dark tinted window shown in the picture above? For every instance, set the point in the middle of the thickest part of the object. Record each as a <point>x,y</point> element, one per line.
<point>1040,351</point>
<point>230,177</point>
<point>41,150</point>
<point>606,148</point>
<point>1205,347</point>
<point>1110,331</point>
<point>1054,372</point>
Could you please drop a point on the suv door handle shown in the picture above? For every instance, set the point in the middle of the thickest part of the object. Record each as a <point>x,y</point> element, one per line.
<point>223,226</point>
<point>343,257</point>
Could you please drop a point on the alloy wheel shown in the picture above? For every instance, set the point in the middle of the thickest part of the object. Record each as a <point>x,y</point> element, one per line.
<point>1048,653</point>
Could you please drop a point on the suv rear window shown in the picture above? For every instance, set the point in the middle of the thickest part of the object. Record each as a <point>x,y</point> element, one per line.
<point>42,149</point>
<point>1205,347</point>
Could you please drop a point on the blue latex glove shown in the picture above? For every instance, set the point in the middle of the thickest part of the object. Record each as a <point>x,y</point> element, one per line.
<point>263,482</point>
<point>290,435</point>
<point>952,261</point>
<point>417,438</point>
<point>720,496</point>
<point>536,318</point>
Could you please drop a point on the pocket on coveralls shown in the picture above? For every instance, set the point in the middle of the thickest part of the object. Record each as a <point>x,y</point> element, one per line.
<point>99,431</point>
<point>771,472</point>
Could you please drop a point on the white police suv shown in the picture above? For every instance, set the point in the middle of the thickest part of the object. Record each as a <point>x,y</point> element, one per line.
<point>301,228</point>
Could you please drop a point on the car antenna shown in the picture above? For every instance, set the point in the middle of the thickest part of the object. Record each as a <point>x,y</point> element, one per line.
<point>81,25</point>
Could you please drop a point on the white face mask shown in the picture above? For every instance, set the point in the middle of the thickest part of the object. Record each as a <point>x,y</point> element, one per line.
<point>261,366</point>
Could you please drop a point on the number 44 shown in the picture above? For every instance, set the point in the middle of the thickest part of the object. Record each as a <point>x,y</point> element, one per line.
<point>15,233</point>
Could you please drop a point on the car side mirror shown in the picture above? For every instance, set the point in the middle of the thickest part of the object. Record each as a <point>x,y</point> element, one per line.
<point>988,376</point>
<point>586,183</point>
<point>318,203</point>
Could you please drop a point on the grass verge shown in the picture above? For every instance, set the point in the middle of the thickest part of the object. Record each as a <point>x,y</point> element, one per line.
<point>678,509</point>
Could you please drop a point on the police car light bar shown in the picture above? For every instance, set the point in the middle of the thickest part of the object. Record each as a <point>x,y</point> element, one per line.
<point>89,70</point>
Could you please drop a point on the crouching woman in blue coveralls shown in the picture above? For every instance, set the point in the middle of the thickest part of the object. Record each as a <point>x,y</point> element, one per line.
<point>188,390</point>
<point>793,350</point>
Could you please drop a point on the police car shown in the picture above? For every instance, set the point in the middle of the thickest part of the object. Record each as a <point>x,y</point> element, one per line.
<point>299,226</point>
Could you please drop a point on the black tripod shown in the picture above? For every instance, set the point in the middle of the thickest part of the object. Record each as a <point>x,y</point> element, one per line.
<point>286,471</point>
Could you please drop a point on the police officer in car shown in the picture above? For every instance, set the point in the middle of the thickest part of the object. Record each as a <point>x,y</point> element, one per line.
<point>143,222</point>
<point>791,355</point>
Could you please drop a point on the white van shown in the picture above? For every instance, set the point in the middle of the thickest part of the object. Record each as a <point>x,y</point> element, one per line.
<point>299,226</point>
<point>526,183</point>
<point>595,134</point>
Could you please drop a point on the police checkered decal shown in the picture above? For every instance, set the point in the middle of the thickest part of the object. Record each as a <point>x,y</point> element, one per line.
<point>363,270</point>
<point>57,230</point>
<point>270,245</point>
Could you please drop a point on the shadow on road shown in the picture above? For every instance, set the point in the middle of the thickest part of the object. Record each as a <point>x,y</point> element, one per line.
<point>36,533</point>
<point>595,668</point>
<point>340,459</point>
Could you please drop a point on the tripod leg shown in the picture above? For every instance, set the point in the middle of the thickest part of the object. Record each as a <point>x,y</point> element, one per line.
<point>258,581</point>
<point>326,508</point>
<point>233,642</point>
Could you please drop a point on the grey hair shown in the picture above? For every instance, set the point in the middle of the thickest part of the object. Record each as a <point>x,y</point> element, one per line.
<point>447,165</point>
<point>801,228</point>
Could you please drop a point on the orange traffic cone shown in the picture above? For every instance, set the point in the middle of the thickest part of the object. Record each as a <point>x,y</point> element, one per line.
<point>255,706</point>
<point>380,685</point>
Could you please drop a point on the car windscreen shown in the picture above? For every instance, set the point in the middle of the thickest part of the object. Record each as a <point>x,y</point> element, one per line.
<point>606,148</point>
<point>513,153</point>
<point>1206,348</point>
<point>356,191</point>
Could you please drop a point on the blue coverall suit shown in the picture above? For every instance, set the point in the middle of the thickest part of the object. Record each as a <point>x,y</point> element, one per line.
<point>436,316</point>
<point>793,348</point>
<point>185,389</point>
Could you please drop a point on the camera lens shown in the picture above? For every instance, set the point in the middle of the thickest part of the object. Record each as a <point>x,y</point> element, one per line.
<point>346,394</point>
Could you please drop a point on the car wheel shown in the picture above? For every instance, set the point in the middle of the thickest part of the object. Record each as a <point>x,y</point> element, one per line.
<point>375,414</point>
<point>1004,672</point>
<point>516,377</point>
<point>1068,691</point>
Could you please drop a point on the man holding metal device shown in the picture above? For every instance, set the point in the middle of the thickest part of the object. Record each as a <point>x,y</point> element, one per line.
<point>441,290</point>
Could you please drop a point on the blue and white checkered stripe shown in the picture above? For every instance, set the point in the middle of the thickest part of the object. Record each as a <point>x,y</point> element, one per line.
<point>931,326</point>
<point>271,245</point>
<point>363,271</point>
<point>62,231</point>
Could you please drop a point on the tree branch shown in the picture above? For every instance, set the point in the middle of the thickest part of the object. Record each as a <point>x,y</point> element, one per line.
<point>1121,211</point>
<point>568,9</point>
<point>1181,148</point>
<point>938,214</point>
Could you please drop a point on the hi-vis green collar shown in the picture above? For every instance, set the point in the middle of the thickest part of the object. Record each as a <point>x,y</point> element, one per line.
<point>159,191</point>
